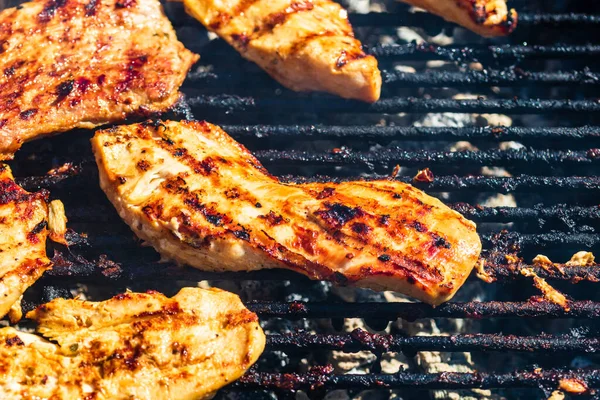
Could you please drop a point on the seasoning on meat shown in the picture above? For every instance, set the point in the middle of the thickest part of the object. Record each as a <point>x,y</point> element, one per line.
<point>485,17</point>
<point>306,45</point>
<point>398,237</point>
<point>23,232</point>
<point>134,346</point>
<point>79,64</point>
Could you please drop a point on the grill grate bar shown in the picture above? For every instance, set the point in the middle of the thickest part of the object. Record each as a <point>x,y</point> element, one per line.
<point>428,158</point>
<point>391,105</point>
<point>362,340</point>
<point>446,380</point>
<point>430,51</point>
<point>479,183</point>
<point>404,17</point>
<point>414,311</point>
<point>503,133</point>
<point>506,77</point>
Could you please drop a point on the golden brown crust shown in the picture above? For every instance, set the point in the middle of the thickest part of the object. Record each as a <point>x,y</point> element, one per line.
<point>306,45</point>
<point>66,64</point>
<point>202,199</point>
<point>135,345</point>
<point>23,232</point>
<point>486,17</point>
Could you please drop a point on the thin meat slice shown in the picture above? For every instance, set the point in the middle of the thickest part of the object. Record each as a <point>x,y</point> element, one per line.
<point>306,45</point>
<point>68,64</point>
<point>133,346</point>
<point>202,199</point>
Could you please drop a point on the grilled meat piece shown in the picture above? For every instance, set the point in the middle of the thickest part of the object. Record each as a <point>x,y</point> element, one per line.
<point>133,346</point>
<point>81,63</point>
<point>306,45</point>
<point>23,232</point>
<point>485,17</point>
<point>202,199</point>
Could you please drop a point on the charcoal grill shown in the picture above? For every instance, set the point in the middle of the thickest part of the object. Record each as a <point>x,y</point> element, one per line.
<point>542,76</point>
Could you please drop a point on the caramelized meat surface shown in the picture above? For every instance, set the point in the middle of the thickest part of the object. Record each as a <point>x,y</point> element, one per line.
<point>485,17</point>
<point>68,64</point>
<point>306,45</point>
<point>133,346</point>
<point>202,199</point>
<point>23,233</point>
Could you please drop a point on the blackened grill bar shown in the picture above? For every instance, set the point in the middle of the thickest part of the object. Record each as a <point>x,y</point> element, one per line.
<point>429,51</point>
<point>431,158</point>
<point>392,105</point>
<point>508,77</point>
<point>445,380</point>
<point>415,311</point>
<point>362,340</point>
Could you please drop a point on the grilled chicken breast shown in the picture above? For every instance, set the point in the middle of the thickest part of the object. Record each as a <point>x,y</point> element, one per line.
<point>485,17</point>
<point>79,63</point>
<point>202,199</point>
<point>133,346</point>
<point>23,232</point>
<point>306,45</point>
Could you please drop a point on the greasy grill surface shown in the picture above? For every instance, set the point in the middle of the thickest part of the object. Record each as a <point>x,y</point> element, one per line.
<point>547,85</point>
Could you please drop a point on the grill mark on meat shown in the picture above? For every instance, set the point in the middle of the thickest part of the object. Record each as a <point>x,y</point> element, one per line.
<point>242,6</point>
<point>337,215</point>
<point>273,219</point>
<point>212,216</point>
<point>220,20</point>
<point>132,73</point>
<point>50,9</point>
<point>325,193</point>
<point>91,7</point>
<point>346,58</point>
<point>63,89</point>
<point>14,341</point>
<point>270,21</point>
<point>28,114</point>
<point>153,211</point>
<point>32,235</point>
<point>241,39</point>
<point>305,239</point>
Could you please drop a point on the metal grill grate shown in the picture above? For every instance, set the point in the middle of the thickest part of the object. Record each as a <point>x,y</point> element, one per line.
<point>556,178</point>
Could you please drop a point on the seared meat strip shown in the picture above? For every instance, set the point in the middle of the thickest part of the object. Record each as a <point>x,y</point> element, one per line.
<point>202,199</point>
<point>23,233</point>
<point>306,45</point>
<point>133,346</point>
<point>68,64</point>
<point>485,17</point>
